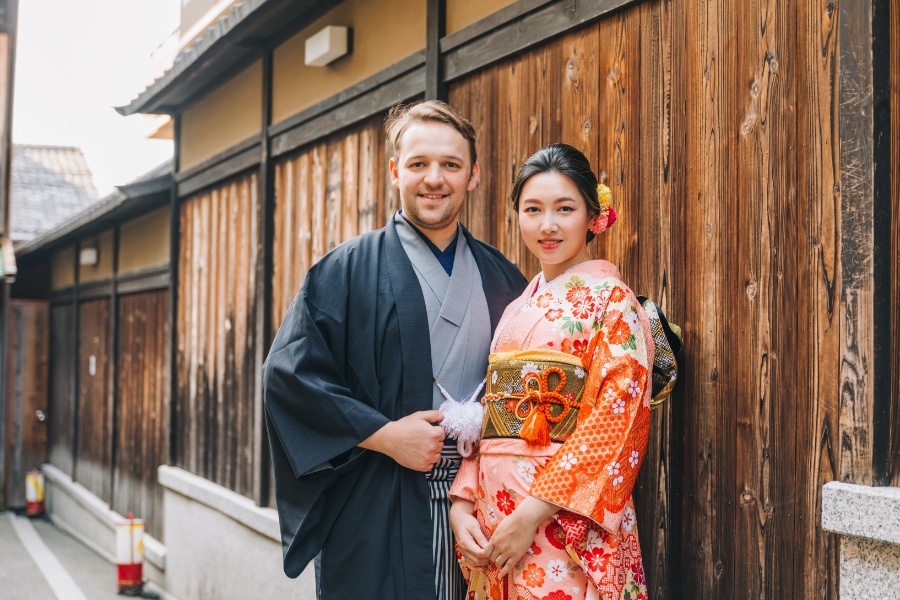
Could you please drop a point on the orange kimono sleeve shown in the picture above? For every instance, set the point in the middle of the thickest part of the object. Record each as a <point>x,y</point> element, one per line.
<point>593,472</point>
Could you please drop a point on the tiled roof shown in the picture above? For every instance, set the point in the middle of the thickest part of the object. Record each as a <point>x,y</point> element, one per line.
<point>49,185</point>
<point>126,201</point>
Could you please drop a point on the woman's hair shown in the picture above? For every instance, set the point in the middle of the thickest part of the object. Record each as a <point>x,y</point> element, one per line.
<point>565,160</point>
<point>401,116</point>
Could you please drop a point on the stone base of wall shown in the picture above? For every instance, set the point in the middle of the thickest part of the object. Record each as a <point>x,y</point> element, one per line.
<point>89,519</point>
<point>218,544</point>
<point>221,545</point>
<point>868,521</point>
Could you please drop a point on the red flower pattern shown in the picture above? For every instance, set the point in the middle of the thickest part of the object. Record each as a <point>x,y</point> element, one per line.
<point>557,595</point>
<point>579,347</point>
<point>597,559</point>
<point>505,503</point>
<point>553,314</point>
<point>578,294</point>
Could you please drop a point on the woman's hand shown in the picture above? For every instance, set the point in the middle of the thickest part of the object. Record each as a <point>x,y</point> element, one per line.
<point>515,534</point>
<point>469,538</point>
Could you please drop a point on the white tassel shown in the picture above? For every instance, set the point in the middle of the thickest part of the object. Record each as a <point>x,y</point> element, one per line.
<point>462,420</point>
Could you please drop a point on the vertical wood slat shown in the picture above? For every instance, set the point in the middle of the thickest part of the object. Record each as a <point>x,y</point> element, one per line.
<point>217,310</point>
<point>337,196</point>
<point>143,397</point>
<point>60,416</point>
<point>94,436</point>
<point>894,38</point>
<point>27,371</point>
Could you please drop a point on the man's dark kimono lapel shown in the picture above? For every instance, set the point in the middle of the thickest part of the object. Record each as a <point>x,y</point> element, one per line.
<point>415,345</point>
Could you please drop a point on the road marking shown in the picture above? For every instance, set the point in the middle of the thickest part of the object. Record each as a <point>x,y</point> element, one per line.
<point>56,575</point>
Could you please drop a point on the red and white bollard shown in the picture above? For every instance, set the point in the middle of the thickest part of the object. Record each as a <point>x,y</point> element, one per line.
<point>34,493</point>
<point>130,553</point>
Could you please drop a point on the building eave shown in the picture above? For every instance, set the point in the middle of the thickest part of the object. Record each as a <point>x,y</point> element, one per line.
<point>234,41</point>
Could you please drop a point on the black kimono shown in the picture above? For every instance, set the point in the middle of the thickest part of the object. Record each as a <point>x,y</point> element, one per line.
<point>352,354</point>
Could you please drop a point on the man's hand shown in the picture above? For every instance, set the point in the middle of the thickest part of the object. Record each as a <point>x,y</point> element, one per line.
<point>515,534</point>
<point>469,538</point>
<point>413,441</point>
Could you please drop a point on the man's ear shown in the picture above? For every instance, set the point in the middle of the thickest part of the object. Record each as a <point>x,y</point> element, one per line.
<point>395,172</point>
<point>474,177</point>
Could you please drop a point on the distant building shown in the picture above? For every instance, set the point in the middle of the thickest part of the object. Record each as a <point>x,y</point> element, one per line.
<point>50,184</point>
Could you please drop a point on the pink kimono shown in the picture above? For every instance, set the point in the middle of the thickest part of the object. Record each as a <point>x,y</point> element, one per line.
<point>567,414</point>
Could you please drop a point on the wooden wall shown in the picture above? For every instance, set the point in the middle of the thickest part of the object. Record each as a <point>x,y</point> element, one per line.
<point>714,124</point>
<point>718,128</point>
<point>326,194</point>
<point>93,422</point>
<point>61,414</point>
<point>216,426</point>
<point>142,437</point>
<point>26,395</point>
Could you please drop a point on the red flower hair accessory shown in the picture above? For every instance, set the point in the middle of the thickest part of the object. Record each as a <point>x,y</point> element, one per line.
<point>607,216</point>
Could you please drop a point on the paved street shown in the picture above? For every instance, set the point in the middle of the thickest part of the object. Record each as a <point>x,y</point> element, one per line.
<point>38,561</point>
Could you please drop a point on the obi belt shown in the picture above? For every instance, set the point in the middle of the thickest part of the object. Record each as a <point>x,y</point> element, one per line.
<point>534,395</point>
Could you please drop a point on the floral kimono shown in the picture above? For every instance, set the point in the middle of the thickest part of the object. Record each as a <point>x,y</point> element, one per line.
<point>567,415</point>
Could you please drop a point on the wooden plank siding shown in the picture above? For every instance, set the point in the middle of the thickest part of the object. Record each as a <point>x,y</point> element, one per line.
<point>93,455</point>
<point>26,394</point>
<point>325,195</point>
<point>61,416</point>
<point>143,432</point>
<point>713,124</point>
<point>216,320</point>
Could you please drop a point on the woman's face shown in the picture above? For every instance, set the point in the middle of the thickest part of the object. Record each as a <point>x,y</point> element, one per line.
<point>554,221</point>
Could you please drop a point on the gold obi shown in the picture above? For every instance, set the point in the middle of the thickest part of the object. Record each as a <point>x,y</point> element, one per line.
<point>533,394</point>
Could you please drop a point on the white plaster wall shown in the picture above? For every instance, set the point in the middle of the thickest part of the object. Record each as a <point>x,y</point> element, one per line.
<point>221,546</point>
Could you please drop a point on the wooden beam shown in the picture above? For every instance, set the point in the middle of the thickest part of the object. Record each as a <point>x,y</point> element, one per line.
<point>522,32</point>
<point>362,88</point>
<point>266,206</point>
<point>144,280</point>
<point>174,249</point>
<point>232,166</point>
<point>113,397</point>
<point>378,99</point>
<point>857,233</point>
<point>436,18</point>
<point>882,213</point>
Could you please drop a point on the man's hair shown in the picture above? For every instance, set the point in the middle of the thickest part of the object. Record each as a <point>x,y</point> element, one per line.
<point>401,116</point>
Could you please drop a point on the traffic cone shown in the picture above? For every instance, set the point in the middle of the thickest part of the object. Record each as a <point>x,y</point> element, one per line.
<point>34,493</point>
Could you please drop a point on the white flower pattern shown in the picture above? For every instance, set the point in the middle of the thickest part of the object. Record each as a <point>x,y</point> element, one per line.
<point>526,471</point>
<point>556,570</point>
<point>568,461</point>
<point>634,459</point>
<point>618,406</point>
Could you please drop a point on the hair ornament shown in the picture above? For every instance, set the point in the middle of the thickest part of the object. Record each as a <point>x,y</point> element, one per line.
<point>607,216</point>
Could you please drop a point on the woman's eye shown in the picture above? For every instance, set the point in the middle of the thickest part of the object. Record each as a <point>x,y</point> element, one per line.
<point>566,209</point>
<point>530,209</point>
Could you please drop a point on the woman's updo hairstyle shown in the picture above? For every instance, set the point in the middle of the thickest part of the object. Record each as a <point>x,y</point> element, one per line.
<point>565,160</point>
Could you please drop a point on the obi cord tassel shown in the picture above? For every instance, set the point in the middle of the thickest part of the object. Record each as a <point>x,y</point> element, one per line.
<point>462,420</point>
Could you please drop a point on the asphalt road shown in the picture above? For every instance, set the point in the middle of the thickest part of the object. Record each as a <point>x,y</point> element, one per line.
<point>40,562</point>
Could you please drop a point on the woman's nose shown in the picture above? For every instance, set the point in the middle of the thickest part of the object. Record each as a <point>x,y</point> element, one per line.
<point>548,223</point>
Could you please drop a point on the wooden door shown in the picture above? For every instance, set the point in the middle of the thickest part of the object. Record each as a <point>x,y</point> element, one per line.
<point>26,433</point>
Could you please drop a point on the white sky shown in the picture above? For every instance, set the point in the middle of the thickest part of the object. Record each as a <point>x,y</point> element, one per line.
<point>75,61</point>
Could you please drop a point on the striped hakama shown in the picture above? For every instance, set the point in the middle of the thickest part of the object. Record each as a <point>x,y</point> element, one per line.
<point>448,578</point>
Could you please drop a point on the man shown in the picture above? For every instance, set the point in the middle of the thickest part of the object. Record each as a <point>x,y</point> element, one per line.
<point>361,466</point>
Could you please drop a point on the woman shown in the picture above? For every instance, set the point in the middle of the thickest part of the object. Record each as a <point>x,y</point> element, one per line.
<point>544,509</point>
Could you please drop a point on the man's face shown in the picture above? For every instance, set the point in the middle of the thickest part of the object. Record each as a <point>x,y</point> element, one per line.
<point>433,173</point>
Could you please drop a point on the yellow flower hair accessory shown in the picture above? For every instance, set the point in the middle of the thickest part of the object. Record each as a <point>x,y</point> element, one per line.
<point>607,215</point>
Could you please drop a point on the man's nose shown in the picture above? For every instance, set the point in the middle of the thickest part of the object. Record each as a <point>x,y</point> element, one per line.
<point>433,175</point>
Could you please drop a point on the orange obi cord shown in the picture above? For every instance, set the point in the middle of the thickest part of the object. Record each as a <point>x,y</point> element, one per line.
<point>534,405</point>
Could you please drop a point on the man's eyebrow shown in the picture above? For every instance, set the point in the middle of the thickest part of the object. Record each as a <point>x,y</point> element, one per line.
<point>445,156</point>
